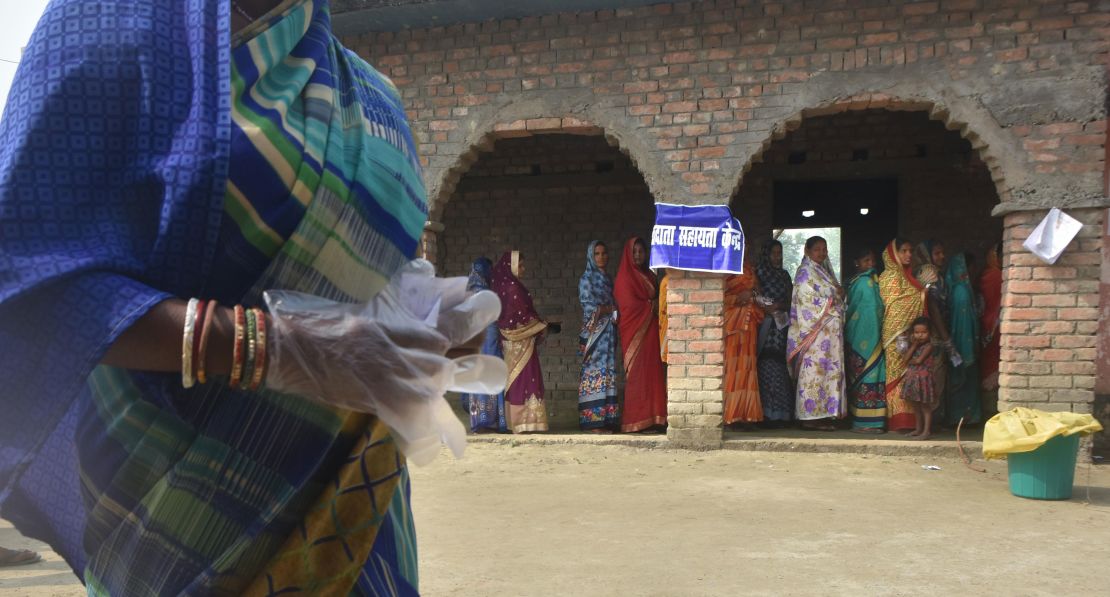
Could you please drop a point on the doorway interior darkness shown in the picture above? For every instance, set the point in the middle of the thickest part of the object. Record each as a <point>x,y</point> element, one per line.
<point>866,211</point>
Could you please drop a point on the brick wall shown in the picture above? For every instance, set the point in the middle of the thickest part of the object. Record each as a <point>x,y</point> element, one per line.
<point>944,189</point>
<point>546,197</point>
<point>1050,318</point>
<point>695,88</point>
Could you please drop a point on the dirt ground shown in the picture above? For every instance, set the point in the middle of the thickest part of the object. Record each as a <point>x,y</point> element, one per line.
<point>614,520</point>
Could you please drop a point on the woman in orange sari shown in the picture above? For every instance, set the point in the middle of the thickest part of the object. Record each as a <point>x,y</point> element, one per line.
<point>742,320</point>
<point>645,393</point>
<point>904,300</point>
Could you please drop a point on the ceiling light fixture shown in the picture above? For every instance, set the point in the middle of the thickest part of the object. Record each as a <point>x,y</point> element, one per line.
<point>808,213</point>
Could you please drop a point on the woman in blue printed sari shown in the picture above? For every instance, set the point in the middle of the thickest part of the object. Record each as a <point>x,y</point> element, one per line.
<point>598,410</point>
<point>487,411</point>
<point>157,150</point>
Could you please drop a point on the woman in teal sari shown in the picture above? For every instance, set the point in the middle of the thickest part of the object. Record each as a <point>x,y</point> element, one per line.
<point>160,155</point>
<point>863,336</point>
<point>963,323</point>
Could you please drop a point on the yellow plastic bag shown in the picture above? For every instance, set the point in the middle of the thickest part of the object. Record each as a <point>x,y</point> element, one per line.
<point>1026,429</point>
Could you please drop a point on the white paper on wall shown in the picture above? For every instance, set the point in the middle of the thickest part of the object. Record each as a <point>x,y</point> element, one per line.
<point>1049,239</point>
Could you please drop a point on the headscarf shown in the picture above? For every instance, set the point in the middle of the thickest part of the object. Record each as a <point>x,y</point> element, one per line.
<point>595,288</point>
<point>479,278</point>
<point>901,292</point>
<point>517,308</point>
<point>775,281</point>
<point>634,281</point>
<point>962,320</point>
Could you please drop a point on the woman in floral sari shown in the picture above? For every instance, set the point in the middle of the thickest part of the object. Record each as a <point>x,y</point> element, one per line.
<point>990,288</point>
<point>233,153</point>
<point>742,319</point>
<point>522,330</point>
<point>864,338</point>
<point>597,388</point>
<point>903,301</point>
<point>487,411</point>
<point>815,344</point>
<point>776,389</point>
<point>963,322</point>
<point>645,392</point>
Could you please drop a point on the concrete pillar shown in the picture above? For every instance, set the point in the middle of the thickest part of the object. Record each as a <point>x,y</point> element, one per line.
<point>696,356</point>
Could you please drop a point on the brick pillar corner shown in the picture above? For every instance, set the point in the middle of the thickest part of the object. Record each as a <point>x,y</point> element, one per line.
<point>696,356</point>
<point>428,245</point>
<point>1050,319</point>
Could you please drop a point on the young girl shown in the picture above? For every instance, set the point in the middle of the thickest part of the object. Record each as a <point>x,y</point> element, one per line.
<point>918,387</point>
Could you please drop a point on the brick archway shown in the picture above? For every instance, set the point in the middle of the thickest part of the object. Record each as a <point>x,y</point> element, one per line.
<point>985,136</point>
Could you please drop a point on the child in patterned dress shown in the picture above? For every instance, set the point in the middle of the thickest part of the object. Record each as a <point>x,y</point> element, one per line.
<point>918,386</point>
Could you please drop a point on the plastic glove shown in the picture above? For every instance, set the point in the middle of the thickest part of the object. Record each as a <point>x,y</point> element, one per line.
<point>387,356</point>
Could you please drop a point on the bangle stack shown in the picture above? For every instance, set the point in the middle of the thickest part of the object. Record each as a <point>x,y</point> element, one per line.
<point>248,366</point>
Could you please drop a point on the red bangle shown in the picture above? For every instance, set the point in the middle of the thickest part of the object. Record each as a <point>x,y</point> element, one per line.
<point>260,355</point>
<point>237,352</point>
<point>202,344</point>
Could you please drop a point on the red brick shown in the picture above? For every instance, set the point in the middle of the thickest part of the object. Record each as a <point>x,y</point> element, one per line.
<point>875,39</point>
<point>919,8</point>
<point>1085,139</point>
<point>706,346</point>
<point>1031,287</point>
<point>706,371</point>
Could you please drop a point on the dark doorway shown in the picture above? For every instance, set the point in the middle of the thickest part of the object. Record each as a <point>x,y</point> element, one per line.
<point>866,211</point>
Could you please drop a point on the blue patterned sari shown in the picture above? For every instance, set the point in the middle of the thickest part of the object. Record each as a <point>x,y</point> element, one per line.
<point>597,388</point>
<point>486,411</point>
<point>146,153</point>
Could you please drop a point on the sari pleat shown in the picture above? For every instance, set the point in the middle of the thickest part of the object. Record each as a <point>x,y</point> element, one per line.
<point>147,488</point>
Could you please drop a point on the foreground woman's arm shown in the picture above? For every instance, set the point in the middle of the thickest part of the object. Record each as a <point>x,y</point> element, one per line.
<point>153,343</point>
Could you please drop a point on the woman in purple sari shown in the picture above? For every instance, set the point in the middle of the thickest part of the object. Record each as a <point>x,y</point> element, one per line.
<point>815,344</point>
<point>521,331</point>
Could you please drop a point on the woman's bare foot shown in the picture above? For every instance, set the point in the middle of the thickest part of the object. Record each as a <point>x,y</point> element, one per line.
<point>924,436</point>
<point>915,433</point>
<point>868,430</point>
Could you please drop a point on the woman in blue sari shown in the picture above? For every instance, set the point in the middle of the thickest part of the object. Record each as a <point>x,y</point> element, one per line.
<point>170,152</point>
<point>963,324</point>
<point>487,411</point>
<point>598,410</point>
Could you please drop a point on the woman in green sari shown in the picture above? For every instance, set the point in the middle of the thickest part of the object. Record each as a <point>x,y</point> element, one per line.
<point>864,339</point>
<point>963,321</point>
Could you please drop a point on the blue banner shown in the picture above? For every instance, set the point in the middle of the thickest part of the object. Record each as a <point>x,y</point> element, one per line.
<point>699,238</point>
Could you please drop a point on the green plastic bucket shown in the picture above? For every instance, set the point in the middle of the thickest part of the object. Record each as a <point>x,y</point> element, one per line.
<point>1046,473</point>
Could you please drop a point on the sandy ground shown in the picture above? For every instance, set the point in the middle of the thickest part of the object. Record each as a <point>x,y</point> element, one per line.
<point>614,520</point>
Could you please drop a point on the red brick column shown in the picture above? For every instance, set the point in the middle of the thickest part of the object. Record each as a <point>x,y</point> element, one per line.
<point>696,355</point>
<point>1050,318</point>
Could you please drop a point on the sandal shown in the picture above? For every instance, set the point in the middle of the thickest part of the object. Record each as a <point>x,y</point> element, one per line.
<point>18,557</point>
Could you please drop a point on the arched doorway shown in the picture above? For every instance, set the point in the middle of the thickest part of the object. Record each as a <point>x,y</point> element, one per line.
<point>548,196</point>
<point>862,177</point>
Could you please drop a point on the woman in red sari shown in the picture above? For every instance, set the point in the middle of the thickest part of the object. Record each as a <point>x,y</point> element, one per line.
<point>645,393</point>
<point>990,288</point>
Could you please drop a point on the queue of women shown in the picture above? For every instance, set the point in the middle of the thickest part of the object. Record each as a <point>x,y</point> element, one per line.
<point>617,316</point>
<point>902,350</point>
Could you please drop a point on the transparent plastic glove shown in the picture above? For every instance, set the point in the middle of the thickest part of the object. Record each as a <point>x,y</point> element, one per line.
<point>387,356</point>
